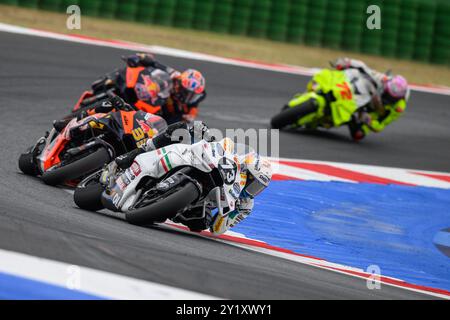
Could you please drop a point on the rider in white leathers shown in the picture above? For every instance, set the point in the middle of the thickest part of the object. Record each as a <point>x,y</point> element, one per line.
<point>255,171</point>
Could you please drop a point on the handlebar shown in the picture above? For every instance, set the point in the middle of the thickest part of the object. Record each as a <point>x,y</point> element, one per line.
<point>109,93</point>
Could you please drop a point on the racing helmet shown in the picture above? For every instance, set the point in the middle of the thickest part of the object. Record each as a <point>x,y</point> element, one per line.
<point>395,88</point>
<point>189,85</point>
<point>154,87</point>
<point>259,174</point>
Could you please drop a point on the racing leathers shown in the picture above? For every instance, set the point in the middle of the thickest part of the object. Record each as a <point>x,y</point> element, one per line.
<point>173,109</point>
<point>375,111</point>
<point>200,218</point>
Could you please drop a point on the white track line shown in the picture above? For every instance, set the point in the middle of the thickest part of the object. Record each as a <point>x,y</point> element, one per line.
<point>398,174</point>
<point>305,174</point>
<point>118,44</point>
<point>91,281</point>
<point>313,262</point>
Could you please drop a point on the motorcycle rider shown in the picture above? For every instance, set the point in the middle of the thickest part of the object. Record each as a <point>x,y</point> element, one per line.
<point>255,172</point>
<point>381,97</point>
<point>171,94</point>
<point>187,90</point>
<point>157,92</point>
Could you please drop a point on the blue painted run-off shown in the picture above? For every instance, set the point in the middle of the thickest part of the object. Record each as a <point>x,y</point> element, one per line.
<point>358,225</point>
<point>18,288</point>
<point>442,238</point>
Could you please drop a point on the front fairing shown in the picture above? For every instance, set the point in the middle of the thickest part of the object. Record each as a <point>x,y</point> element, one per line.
<point>56,142</point>
<point>336,82</point>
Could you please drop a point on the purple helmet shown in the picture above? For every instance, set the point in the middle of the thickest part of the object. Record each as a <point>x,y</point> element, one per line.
<point>396,87</point>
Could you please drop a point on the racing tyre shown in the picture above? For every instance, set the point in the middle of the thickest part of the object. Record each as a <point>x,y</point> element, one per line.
<point>166,207</point>
<point>88,164</point>
<point>290,115</point>
<point>27,165</point>
<point>89,197</point>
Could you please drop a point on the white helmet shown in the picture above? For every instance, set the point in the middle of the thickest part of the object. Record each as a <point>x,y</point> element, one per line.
<point>259,174</point>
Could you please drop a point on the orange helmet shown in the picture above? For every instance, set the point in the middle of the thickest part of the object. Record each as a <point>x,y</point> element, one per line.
<point>189,84</point>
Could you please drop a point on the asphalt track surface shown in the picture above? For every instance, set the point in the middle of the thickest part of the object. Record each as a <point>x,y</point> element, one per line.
<point>39,81</point>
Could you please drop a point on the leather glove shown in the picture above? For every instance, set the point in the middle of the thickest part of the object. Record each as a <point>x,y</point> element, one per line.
<point>117,102</point>
<point>106,178</point>
<point>139,59</point>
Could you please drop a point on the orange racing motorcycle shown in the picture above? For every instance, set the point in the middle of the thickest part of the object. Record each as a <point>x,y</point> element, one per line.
<point>84,146</point>
<point>142,87</point>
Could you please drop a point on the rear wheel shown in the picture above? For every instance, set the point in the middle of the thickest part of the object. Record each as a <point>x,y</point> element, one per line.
<point>290,116</point>
<point>166,206</point>
<point>27,164</point>
<point>76,169</point>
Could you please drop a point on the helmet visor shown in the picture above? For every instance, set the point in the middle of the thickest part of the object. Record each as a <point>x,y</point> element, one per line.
<point>254,187</point>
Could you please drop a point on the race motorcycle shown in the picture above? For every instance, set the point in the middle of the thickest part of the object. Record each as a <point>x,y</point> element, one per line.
<point>168,182</point>
<point>84,146</point>
<point>127,83</point>
<point>329,102</point>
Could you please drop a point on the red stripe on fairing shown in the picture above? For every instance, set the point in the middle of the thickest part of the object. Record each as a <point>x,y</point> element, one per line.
<point>389,280</point>
<point>343,173</point>
<point>434,176</point>
<point>283,177</point>
<point>164,164</point>
<point>247,241</point>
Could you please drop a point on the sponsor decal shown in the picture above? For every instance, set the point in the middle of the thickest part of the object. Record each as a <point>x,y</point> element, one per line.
<point>136,168</point>
<point>243,179</point>
<point>144,125</point>
<point>121,184</point>
<point>125,119</point>
<point>148,90</point>
<point>165,162</point>
<point>237,188</point>
<point>264,178</point>
<point>231,192</point>
<point>116,199</point>
<point>96,125</point>
<point>128,176</point>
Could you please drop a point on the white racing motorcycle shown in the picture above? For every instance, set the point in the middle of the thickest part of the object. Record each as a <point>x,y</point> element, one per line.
<point>166,183</point>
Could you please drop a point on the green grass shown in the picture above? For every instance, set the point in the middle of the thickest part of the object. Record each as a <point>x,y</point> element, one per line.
<point>219,44</point>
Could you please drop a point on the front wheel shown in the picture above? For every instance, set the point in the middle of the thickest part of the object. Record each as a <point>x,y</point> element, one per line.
<point>289,116</point>
<point>166,206</point>
<point>27,164</point>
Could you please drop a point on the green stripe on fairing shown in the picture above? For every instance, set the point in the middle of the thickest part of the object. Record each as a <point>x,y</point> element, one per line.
<point>169,165</point>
